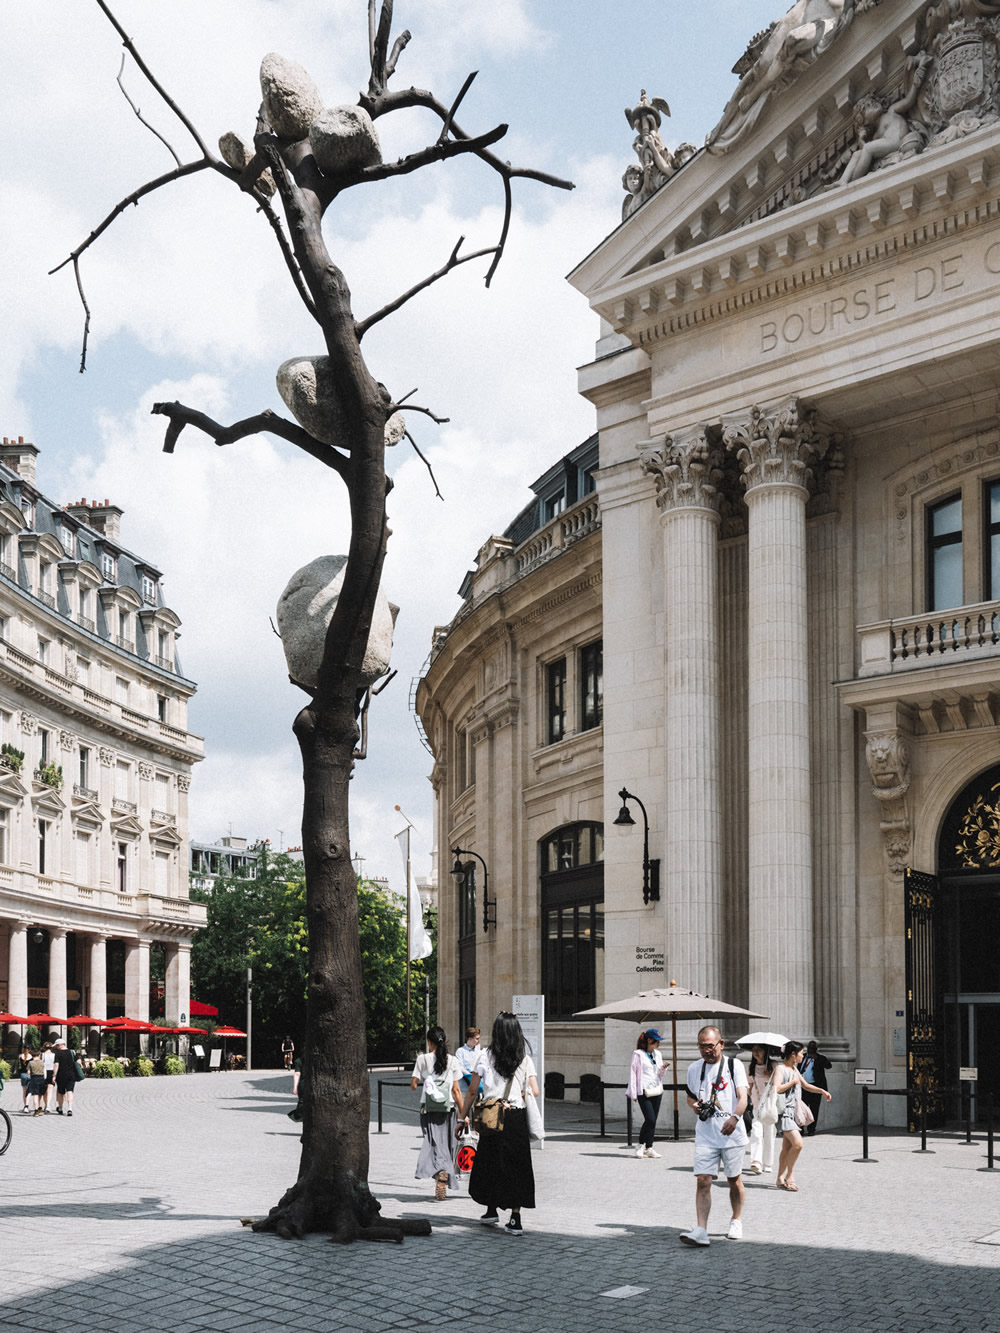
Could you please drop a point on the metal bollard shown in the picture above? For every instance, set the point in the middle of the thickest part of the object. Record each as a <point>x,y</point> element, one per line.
<point>923,1126</point>
<point>864,1127</point>
<point>380,1129</point>
<point>989,1134</point>
<point>628,1119</point>
<point>602,1110</point>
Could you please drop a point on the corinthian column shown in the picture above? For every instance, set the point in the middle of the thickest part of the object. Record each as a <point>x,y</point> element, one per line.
<point>774,448</point>
<point>57,972</point>
<point>684,470</point>
<point>17,968</point>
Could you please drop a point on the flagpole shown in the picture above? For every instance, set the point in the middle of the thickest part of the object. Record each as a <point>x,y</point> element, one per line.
<point>409,937</point>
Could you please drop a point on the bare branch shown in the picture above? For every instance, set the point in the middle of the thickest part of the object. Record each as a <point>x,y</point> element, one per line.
<point>286,251</point>
<point>86,315</point>
<point>379,45</point>
<point>139,117</point>
<point>446,127</point>
<point>398,47</point>
<point>188,169</point>
<point>418,97</point>
<point>130,47</point>
<point>181,416</point>
<point>498,254</point>
<point>426,464</point>
<point>362,326</point>
<point>436,152</point>
<point>404,406</point>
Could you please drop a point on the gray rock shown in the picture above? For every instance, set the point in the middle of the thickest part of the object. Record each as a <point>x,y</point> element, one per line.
<point>305,610</point>
<point>236,154</point>
<point>308,390</point>
<point>343,138</point>
<point>291,99</point>
<point>395,428</point>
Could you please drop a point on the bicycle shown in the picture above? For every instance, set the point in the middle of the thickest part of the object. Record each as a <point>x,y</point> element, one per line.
<point>6,1127</point>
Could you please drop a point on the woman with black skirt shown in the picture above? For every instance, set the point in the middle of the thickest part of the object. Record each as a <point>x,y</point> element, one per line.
<point>502,1176</point>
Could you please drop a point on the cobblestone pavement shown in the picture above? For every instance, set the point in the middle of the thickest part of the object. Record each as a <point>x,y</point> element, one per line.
<point>125,1219</point>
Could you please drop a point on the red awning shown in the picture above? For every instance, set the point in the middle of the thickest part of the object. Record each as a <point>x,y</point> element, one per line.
<point>199,1010</point>
<point>228,1032</point>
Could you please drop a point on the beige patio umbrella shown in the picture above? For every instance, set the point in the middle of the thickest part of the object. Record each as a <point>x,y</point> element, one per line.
<point>671,1003</point>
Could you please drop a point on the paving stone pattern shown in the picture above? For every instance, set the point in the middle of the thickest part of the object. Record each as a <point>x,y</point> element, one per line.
<point>125,1219</point>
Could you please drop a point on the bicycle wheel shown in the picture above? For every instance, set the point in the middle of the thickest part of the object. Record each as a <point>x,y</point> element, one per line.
<point>6,1131</point>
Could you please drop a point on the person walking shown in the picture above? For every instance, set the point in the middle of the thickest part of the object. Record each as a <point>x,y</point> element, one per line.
<point>23,1060</point>
<point>36,1083</point>
<point>439,1075</point>
<point>717,1093</point>
<point>813,1070</point>
<point>49,1061</point>
<point>468,1055</point>
<point>65,1077</point>
<point>645,1087</point>
<point>762,1137</point>
<point>502,1174</point>
<point>788,1082</point>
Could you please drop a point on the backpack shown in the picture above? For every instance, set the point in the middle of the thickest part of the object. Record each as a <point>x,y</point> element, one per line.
<point>437,1092</point>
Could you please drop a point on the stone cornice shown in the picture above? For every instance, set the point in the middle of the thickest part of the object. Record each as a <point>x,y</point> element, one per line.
<point>839,234</point>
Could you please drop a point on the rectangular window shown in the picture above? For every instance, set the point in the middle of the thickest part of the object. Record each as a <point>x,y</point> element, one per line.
<point>161,873</point>
<point>43,837</point>
<point>944,555</point>
<point>5,732</point>
<point>85,604</point>
<point>162,797</point>
<point>123,775</point>
<point>3,836</point>
<point>121,689</point>
<point>84,770</point>
<point>123,624</point>
<point>43,746</point>
<point>43,650</point>
<point>991,541</point>
<point>121,866</point>
<point>148,590</point>
<point>161,707</point>
<point>163,649</point>
<point>461,764</point>
<point>109,567</point>
<point>83,671</point>
<point>555,693</point>
<point>83,871</point>
<point>553,505</point>
<point>4,627</point>
<point>467,903</point>
<point>591,685</point>
<point>573,938</point>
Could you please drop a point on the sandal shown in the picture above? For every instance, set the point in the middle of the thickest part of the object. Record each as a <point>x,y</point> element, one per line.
<point>441,1186</point>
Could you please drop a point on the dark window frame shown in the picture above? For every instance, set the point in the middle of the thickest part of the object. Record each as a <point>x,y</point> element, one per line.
<point>592,685</point>
<point>934,544</point>
<point>991,533</point>
<point>572,917</point>
<point>555,701</point>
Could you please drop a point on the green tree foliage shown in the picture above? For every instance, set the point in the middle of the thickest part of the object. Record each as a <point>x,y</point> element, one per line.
<point>263,921</point>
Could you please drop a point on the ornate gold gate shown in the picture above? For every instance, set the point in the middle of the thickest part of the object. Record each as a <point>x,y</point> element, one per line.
<point>924,1006</point>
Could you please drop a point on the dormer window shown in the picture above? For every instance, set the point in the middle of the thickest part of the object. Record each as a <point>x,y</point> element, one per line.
<point>6,568</point>
<point>124,639</point>
<point>109,567</point>
<point>149,590</point>
<point>28,510</point>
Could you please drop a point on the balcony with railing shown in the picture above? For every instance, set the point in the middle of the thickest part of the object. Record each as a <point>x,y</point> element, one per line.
<point>8,571</point>
<point>46,599</point>
<point>86,623</point>
<point>940,638</point>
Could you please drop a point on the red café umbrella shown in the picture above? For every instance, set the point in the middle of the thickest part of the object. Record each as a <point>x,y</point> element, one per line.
<point>45,1020</point>
<point>227,1031</point>
<point>85,1021</point>
<point>14,1020</point>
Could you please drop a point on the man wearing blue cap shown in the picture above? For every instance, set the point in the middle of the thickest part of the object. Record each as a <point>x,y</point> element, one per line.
<point>717,1093</point>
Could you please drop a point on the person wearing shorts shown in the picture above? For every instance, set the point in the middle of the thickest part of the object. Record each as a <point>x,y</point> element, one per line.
<point>717,1093</point>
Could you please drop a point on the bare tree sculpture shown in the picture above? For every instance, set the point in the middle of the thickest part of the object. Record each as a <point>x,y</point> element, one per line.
<point>307,157</point>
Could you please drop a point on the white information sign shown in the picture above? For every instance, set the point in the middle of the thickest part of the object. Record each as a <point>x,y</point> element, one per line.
<point>199,1051</point>
<point>865,1076</point>
<point>530,1012</point>
<point>968,1074</point>
<point>215,1059</point>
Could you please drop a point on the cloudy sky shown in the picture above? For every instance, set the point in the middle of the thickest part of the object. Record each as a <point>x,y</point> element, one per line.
<point>191,301</point>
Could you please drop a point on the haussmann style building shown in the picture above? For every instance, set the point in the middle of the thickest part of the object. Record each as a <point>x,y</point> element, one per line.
<point>790,568</point>
<point>95,765</point>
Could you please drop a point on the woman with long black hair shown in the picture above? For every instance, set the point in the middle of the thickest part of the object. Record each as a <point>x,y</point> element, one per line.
<point>502,1175</point>
<point>439,1075</point>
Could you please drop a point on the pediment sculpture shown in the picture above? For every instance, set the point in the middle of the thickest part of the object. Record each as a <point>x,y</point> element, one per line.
<point>657,162</point>
<point>776,57</point>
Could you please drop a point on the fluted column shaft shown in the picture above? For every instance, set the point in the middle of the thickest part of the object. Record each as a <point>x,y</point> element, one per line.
<point>774,450</point>
<point>57,973</point>
<point>98,1003</point>
<point>178,982</point>
<point>17,968</point>
<point>137,979</point>
<point>684,469</point>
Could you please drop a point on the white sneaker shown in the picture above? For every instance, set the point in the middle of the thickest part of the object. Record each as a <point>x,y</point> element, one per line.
<point>755,1168</point>
<point>767,1170</point>
<point>696,1236</point>
<point>640,1151</point>
<point>735,1231</point>
<point>651,1152</point>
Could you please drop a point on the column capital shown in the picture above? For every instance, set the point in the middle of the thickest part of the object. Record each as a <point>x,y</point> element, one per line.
<point>686,470</point>
<point>775,445</point>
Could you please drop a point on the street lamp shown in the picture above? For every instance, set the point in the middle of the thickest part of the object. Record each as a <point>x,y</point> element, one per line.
<point>650,868</point>
<point>458,872</point>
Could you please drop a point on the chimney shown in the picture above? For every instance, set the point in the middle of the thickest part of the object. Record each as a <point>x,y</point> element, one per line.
<point>103,518</point>
<point>19,457</point>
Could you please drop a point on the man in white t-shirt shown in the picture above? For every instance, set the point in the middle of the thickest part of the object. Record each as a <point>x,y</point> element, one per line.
<point>717,1093</point>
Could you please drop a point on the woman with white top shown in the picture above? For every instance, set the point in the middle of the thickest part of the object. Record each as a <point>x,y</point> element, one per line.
<point>645,1087</point>
<point>439,1075</point>
<point>502,1175</point>
<point>762,1137</point>
<point>788,1081</point>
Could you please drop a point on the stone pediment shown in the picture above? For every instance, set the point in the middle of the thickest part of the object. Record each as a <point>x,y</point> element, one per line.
<point>125,826</point>
<point>12,789</point>
<point>86,812</point>
<point>47,800</point>
<point>165,835</point>
<point>864,146</point>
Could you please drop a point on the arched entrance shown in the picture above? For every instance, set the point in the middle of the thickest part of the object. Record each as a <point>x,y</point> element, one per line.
<point>967,954</point>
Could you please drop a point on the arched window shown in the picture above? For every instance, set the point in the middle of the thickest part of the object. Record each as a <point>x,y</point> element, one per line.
<point>572,893</point>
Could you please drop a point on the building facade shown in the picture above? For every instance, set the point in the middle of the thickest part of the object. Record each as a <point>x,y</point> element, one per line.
<point>95,765</point>
<point>799,488</point>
